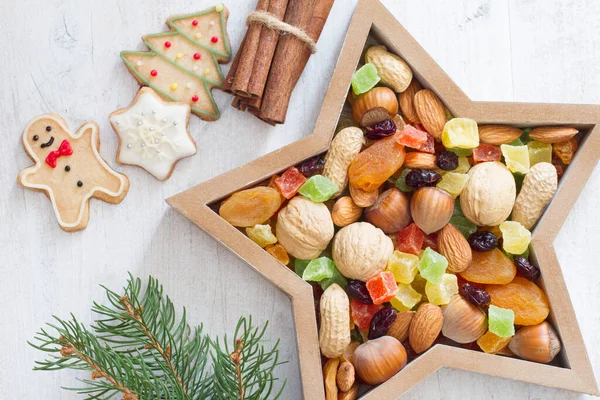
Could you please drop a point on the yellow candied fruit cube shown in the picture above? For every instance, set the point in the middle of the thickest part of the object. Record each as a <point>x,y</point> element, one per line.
<point>441,293</point>
<point>539,152</point>
<point>516,158</point>
<point>403,266</point>
<point>406,298</point>
<point>515,237</point>
<point>491,343</point>
<point>453,183</point>
<point>463,165</point>
<point>261,235</point>
<point>460,133</point>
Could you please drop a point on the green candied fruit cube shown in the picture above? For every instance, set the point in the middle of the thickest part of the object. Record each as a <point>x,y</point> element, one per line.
<point>336,278</point>
<point>516,142</point>
<point>401,182</point>
<point>515,237</point>
<point>403,266</point>
<point>461,133</point>
<point>441,293</point>
<point>406,298</point>
<point>463,164</point>
<point>432,265</point>
<point>461,152</point>
<point>453,183</point>
<point>465,226</point>
<point>318,189</point>
<point>516,158</point>
<point>501,321</point>
<point>365,79</point>
<point>300,266</point>
<point>261,235</point>
<point>539,152</point>
<point>319,269</point>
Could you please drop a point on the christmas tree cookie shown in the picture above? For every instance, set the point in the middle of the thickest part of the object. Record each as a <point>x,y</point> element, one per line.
<point>183,64</point>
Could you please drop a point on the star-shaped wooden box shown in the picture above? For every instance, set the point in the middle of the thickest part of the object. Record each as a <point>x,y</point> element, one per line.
<point>372,22</point>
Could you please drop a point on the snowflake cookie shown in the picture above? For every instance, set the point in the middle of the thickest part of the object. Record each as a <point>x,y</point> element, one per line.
<point>153,134</point>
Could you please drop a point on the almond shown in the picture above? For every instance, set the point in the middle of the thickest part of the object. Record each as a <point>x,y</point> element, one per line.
<point>553,134</point>
<point>453,245</point>
<point>417,159</point>
<point>425,327</point>
<point>401,324</point>
<point>498,134</point>
<point>345,212</point>
<point>363,198</point>
<point>345,376</point>
<point>431,112</point>
<point>406,100</point>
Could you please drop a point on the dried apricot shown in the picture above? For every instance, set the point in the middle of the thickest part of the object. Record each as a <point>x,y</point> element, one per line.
<point>372,167</point>
<point>525,298</point>
<point>251,206</point>
<point>490,267</point>
<point>491,343</point>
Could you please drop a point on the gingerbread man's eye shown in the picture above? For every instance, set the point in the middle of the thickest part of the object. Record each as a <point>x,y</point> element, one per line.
<point>48,128</point>
<point>35,138</point>
<point>79,183</point>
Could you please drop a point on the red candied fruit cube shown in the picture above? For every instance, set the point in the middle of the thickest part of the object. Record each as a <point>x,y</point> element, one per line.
<point>362,314</point>
<point>429,145</point>
<point>289,182</point>
<point>410,240</point>
<point>382,287</point>
<point>486,152</point>
<point>412,137</point>
<point>430,241</point>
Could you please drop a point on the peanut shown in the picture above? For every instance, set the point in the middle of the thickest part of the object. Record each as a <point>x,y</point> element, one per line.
<point>539,187</point>
<point>393,70</point>
<point>344,147</point>
<point>334,335</point>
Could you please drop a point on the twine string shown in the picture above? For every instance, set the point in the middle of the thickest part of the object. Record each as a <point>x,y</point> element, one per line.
<point>272,22</point>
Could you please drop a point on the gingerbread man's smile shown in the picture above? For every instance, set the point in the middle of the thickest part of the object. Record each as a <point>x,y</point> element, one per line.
<point>48,143</point>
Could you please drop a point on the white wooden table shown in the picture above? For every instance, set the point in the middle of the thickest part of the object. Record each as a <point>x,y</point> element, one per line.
<point>62,56</point>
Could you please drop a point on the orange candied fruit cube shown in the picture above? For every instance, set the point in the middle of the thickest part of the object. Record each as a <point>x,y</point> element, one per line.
<point>279,253</point>
<point>491,343</point>
<point>486,152</point>
<point>412,137</point>
<point>382,287</point>
<point>290,182</point>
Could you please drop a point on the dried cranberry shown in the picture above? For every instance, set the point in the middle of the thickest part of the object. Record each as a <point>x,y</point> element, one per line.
<point>358,290</point>
<point>312,166</point>
<point>418,178</point>
<point>483,241</point>
<point>526,269</point>
<point>447,160</point>
<point>475,295</point>
<point>380,130</point>
<point>381,323</point>
<point>410,353</point>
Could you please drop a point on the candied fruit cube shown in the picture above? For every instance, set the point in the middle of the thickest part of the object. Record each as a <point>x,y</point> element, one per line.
<point>410,240</point>
<point>401,182</point>
<point>412,137</point>
<point>382,287</point>
<point>430,241</point>
<point>463,165</point>
<point>461,152</point>
<point>453,183</point>
<point>280,254</point>
<point>365,79</point>
<point>516,158</point>
<point>460,133</point>
<point>516,237</point>
<point>565,150</point>
<point>539,152</point>
<point>261,235</point>
<point>318,189</point>
<point>491,343</point>
<point>336,278</point>
<point>441,293</point>
<point>501,321</point>
<point>300,266</point>
<point>432,266</point>
<point>429,145</point>
<point>419,284</point>
<point>403,266</point>
<point>319,269</point>
<point>486,152</point>
<point>362,314</point>
<point>289,183</point>
<point>406,298</point>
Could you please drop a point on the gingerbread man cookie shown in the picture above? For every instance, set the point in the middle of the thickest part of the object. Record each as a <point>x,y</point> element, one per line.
<point>69,169</point>
<point>153,134</point>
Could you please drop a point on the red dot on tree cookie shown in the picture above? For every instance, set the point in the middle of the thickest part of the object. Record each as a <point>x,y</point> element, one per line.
<point>154,72</point>
<point>214,39</point>
<point>197,56</point>
<point>167,44</point>
<point>195,22</point>
<point>195,98</point>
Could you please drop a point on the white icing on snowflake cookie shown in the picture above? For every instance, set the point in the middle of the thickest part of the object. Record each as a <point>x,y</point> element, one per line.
<point>153,134</point>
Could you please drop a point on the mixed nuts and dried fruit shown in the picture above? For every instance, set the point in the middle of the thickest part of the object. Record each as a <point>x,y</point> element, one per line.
<point>414,229</point>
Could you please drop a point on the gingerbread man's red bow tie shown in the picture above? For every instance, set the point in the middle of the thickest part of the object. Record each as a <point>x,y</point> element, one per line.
<point>65,149</point>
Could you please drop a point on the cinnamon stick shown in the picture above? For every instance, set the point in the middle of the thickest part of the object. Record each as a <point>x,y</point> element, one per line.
<point>291,57</point>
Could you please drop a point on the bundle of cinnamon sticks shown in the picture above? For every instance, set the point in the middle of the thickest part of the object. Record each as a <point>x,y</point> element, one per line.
<point>268,64</point>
